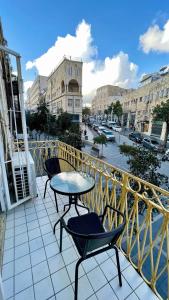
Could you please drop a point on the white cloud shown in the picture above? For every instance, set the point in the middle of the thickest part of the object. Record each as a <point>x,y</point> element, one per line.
<point>26,86</point>
<point>155,39</point>
<point>117,70</point>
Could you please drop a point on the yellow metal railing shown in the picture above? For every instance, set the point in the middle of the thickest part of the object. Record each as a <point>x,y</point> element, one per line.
<point>145,241</point>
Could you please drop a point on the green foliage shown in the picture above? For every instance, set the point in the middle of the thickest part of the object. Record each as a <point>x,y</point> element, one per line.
<point>86,111</point>
<point>117,109</point>
<point>64,121</point>
<point>143,163</point>
<point>101,140</point>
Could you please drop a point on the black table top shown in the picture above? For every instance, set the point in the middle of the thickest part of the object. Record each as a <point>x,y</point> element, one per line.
<point>72,183</point>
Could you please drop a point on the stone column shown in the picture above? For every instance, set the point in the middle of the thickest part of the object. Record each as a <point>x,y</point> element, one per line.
<point>128,119</point>
<point>163,131</point>
<point>150,126</point>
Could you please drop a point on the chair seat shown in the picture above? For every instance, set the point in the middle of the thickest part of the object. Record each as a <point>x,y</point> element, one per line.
<point>85,224</point>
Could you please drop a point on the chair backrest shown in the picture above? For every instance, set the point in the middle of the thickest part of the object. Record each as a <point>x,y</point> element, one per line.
<point>104,239</point>
<point>56,165</point>
<point>52,166</point>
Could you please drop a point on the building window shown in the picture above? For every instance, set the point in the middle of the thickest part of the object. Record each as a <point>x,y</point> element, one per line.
<point>70,102</point>
<point>77,103</point>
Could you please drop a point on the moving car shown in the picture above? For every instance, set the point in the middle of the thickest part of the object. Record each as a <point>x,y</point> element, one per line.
<point>152,145</point>
<point>109,135</point>
<point>166,156</point>
<point>100,129</point>
<point>136,137</point>
<point>116,128</point>
<point>95,126</point>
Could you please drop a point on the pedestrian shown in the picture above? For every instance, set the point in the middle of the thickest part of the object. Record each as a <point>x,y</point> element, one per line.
<point>85,132</point>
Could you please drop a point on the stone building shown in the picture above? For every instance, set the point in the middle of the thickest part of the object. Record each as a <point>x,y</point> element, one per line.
<point>138,104</point>
<point>105,95</point>
<point>36,91</point>
<point>64,89</point>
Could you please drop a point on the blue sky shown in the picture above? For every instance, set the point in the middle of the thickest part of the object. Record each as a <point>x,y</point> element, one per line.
<point>32,27</point>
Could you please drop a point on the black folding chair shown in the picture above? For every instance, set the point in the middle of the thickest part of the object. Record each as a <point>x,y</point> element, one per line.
<point>53,167</point>
<point>89,234</point>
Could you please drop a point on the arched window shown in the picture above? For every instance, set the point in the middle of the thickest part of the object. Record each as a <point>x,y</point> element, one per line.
<point>62,86</point>
<point>73,86</point>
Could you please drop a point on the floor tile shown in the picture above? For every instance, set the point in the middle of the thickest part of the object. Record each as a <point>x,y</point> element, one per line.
<point>9,243</point>
<point>32,225</point>
<point>8,256</point>
<point>43,221</point>
<point>20,221</point>
<point>40,271</point>
<point>132,297</point>
<point>8,286</point>
<point>121,291</point>
<point>71,270</point>
<point>55,263</point>
<point>47,228</point>
<point>35,244</point>
<point>21,250</point>
<point>38,256</point>
<point>69,255</point>
<point>49,238</point>
<point>144,292</point>
<point>22,264</point>
<point>124,263</point>
<point>101,257</point>
<point>60,280</point>
<point>52,249</point>
<point>106,293</point>
<point>44,289</point>
<point>96,278</point>
<point>23,281</point>
<point>84,288</point>
<point>21,239</point>
<point>9,233</point>
<point>109,269</point>
<point>33,234</point>
<point>27,294</point>
<point>89,264</point>
<point>132,277</point>
<point>32,217</point>
<point>20,229</point>
<point>8,270</point>
<point>66,294</point>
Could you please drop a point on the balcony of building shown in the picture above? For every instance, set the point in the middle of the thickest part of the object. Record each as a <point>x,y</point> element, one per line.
<point>33,267</point>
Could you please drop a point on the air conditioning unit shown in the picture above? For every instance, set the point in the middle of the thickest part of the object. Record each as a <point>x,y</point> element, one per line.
<point>25,187</point>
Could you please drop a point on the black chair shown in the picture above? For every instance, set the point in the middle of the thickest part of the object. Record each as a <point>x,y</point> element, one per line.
<point>53,167</point>
<point>89,234</point>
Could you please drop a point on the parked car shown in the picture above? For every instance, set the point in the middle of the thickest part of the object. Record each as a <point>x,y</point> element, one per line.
<point>152,145</point>
<point>103,123</point>
<point>109,135</point>
<point>136,137</point>
<point>95,126</point>
<point>110,124</point>
<point>116,128</point>
<point>100,129</point>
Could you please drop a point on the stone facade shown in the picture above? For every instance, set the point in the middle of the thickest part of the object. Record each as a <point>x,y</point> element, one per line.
<point>105,95</point>
<point>138,104</point>
<point>64,89</point>
<point>35,92</point>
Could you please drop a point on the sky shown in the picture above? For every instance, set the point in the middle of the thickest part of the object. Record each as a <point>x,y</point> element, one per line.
<point>118,41</point>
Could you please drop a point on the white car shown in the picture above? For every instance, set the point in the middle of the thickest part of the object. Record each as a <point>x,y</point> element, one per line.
<point>110,124</point>
<point>116,128</point>
<point>100,130</point>
<point>104,123</point>
<point>109,135</point>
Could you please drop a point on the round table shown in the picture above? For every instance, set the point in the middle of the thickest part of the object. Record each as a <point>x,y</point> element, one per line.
<point>72,184</point>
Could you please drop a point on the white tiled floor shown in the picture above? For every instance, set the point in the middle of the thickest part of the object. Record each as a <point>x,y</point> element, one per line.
<point>33,268</point>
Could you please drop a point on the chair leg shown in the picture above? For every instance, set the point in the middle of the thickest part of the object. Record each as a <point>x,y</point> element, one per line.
<point>45,188</point>
<point>61,233</point>
<point>118,265</point>
<point>76,277</point>
<point>56,203</point>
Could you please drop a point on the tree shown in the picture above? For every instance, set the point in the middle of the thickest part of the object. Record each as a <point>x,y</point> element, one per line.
<point>110,110</point>
<point>143,163</point>
<point>86,111</point>
<point>64,121</point>
<point>101,140</point>
<point>117,110</point>
<point>161,113</point>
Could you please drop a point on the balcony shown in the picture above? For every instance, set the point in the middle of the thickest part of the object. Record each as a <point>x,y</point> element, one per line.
<point>33,268</point>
